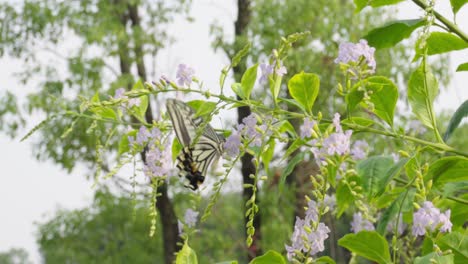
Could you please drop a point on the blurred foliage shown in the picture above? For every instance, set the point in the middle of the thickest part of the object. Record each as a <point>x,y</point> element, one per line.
<point>71,49</point>
<point>329,23</point>
<point>14,256</point>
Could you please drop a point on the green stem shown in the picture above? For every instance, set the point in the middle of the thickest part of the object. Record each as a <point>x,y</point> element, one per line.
<point>438,146</point>
<point>453,198</point>
<point>451,26</point>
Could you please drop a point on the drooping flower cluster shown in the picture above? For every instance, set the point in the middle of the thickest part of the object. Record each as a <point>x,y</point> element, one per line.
<point>128,103</point>
<point>308,236</point>
<point>158,157</point>
<point>359,223</point>
<point>250,131</point>
<point>350,53</point>
<point>430,218</point>
<point>184,75</point>
<point>401,225</point>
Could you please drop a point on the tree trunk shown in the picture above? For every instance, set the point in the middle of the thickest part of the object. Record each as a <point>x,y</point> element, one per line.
<point>163,204</point>
<point>248,168</point>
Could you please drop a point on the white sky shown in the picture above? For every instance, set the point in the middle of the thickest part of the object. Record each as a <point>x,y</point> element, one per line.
<point>30,190</point>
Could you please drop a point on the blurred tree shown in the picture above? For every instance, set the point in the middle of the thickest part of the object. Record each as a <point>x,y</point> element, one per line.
<point>14,256</point>
<point>108,232</point>
<point>73,49</point>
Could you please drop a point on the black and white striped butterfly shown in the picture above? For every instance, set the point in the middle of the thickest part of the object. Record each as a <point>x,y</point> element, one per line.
<point>199,151</point>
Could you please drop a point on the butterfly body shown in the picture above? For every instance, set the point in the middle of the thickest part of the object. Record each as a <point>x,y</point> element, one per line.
<point>200,148</point>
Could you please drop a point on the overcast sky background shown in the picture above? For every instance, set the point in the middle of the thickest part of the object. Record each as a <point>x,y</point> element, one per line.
<point>31,191</point>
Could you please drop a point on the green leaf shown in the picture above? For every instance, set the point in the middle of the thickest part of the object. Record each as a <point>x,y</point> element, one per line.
<point>186,255</point>
<point>434,258</point>
<point>392,33</point>
<point>457,243</point>
<point>456,119</point>
<point>271,257</point>
<point>202,107</point>
<point>104,112</point>
<point>448,169</point>
<point>267,155</point>
<point>383,95</point>
<point>290,167</point>
<point>304,88</point>
<point>405,201</point>
<point>441,42</point>
<point>297,143</point>
<point>368,244</point>
<point>124,143</point>
<point>343,198</point>
<point>138,85</point>
<point>286,126</point>
<point>422,90</point>
<point>241,54</point>
<point>372,172</point>
<point>358,121</point>
<point>293,103</point>
<point>237,89</point>
<point>228,262</point>
<point>325,260</point>
<point>248,80</point>
<point>391,173</point>
<point>360,4</point>
<point>176,148</point>
<point>144,102</point>
<point>457,4</point>
<point>462,67</point>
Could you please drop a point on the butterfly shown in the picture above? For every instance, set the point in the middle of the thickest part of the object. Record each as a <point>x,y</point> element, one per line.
<point>199,151</point>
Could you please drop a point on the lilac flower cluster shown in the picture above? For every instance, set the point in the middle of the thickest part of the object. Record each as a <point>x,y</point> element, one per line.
<point>190,220</point>
<point>158,161</point>
<point>359,223</point>
<point>430,218</point>
<point>250,131</point>
<point>352,53</point>
<point>267,70</point>
<point>184,75</point>
<point>359,149</point>
<point>307,127</point>
<point>306,238</point>
<point>337,143</point>
<point>128,103</point>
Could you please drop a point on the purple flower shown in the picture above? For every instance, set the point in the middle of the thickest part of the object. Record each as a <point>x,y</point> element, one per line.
<point>120,93</point>
<point>401,225</point>
<point>184,75</point>
<point>267,70</point>
<point>190,217</point>
<point>350,52</point>
<point>395,157</point>
<point>306,128</point>
<point>133,102</point>
<point>359,223</point>
<point>337,143</point>
<point>336,123</point>
<point>330,201</point>
<point>142,135</point>
<point>301,240</point>
<point>444,219</point>
<point>359,150</point>
<point>233,142</point>
<point>429,218</point>
<point>311,214</point>
<point>281,71</point>
<point>158,156</point>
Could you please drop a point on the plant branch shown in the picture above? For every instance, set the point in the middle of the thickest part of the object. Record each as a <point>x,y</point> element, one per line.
<point>451,26</point>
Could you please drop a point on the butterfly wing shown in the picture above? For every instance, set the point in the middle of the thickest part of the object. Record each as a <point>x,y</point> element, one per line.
<point>199,152</point>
